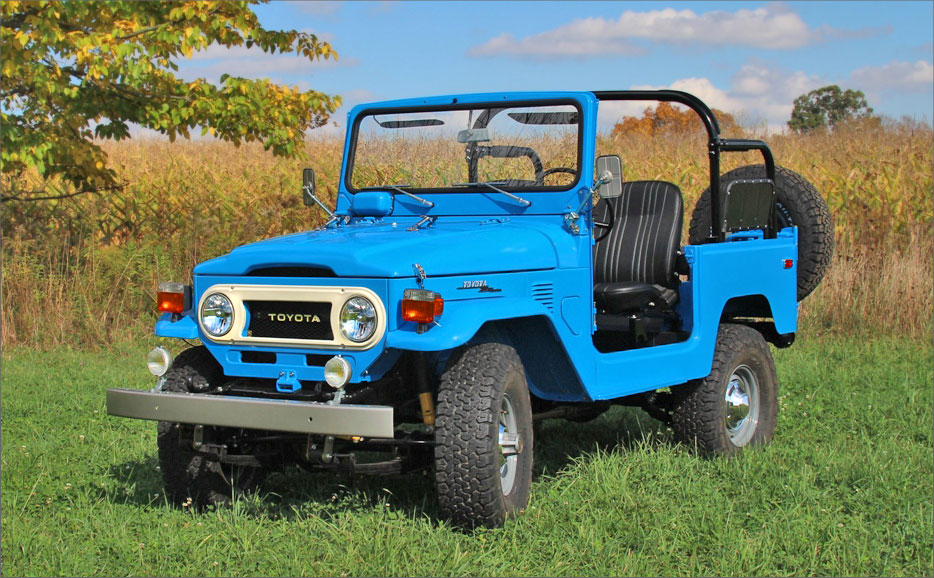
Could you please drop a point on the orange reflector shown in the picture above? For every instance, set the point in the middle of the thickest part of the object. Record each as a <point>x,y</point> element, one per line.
<point>171,297</point>
<point>421,306</point>
<point>788,263</point>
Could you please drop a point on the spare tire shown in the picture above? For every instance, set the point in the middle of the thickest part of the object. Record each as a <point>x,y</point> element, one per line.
<point>797,203</point>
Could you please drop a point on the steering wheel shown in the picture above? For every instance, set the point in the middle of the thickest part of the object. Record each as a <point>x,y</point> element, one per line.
<point>602,229</point>
<point>554,170</point>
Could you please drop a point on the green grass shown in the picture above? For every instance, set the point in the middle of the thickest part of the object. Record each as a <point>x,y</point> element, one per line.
<point>845,489</point>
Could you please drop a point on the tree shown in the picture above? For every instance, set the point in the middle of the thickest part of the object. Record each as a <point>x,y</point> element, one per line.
<point>828,107</point>
<point>73,72</point>
<point>666,119</point>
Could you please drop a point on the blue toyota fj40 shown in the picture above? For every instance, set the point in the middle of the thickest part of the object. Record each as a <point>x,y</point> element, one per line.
<point>465,286</point>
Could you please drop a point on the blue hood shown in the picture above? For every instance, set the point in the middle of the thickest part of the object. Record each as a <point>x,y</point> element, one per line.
<point>382,250</point>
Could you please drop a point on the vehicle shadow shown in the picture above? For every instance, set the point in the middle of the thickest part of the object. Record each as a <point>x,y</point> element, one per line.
<point>293,493</point>
<point>558,441</point>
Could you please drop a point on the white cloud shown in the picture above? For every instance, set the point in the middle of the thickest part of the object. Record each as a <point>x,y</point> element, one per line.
<point>774,26</point>
<point>758,94</point>
<point>384,6</point>
<point>319,7</point>
<point>245,62</point>
<point>611,111</point>
<point>895,76</point>
<point>580,38</point>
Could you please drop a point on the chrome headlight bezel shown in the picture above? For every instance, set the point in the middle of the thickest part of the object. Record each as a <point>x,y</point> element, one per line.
<point>357,311</point>
<point>213,303</point>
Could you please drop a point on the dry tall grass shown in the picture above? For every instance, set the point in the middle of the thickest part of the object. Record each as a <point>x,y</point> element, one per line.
<point>83,271</point>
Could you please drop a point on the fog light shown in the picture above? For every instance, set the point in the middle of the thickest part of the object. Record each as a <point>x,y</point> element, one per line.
<point>159,361</point>
<point>337,372</point>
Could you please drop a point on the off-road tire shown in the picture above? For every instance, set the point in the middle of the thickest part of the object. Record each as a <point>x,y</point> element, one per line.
<point>185,472</point>
<point>798,203</point>
<point>467,450</point>
<point>699,418</point>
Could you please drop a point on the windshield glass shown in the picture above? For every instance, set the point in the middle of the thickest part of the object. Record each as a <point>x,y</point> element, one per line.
<point>518,147</point>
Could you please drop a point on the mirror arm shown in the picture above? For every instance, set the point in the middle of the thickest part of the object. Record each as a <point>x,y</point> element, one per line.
<point>606,177</point>
<point>585,202</point>
<point>309,193</point>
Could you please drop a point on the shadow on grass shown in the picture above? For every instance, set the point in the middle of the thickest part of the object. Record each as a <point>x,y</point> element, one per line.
<point>293,493</point>
<point>558,442</point>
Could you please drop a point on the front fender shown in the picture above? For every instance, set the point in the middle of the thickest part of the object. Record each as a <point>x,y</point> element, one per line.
<point>183,327</point>
<point>461,321</point>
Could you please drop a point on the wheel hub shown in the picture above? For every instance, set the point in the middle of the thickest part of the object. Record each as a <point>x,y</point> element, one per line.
<point>510,445</point>
<point>741,399</point>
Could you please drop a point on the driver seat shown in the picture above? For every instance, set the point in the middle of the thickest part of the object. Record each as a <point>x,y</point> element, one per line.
<point>635,264</point>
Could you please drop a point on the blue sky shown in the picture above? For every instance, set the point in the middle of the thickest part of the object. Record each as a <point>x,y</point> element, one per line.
<point>747,58</point>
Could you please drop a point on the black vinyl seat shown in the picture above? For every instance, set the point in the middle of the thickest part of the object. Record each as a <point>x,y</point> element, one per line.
<point>634,265</point>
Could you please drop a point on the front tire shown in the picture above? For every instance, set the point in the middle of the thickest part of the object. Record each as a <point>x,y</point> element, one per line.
<point>483,436</point>
<point>736,405</point>
<point>189,474</point>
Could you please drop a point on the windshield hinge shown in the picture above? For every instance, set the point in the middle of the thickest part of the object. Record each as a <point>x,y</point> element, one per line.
<point>425,219</point>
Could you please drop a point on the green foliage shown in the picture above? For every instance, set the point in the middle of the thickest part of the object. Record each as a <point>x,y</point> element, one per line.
<point>827,107</point>
<point>844,489</point>
<point>73,72</point>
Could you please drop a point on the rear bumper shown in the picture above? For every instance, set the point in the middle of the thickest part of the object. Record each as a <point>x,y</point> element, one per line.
<point>371,421</point>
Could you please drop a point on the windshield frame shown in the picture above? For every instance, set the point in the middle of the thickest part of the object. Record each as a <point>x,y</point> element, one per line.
<point>377,110</point>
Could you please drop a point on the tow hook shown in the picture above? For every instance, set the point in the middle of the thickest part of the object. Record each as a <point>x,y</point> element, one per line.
<point>197,438</point>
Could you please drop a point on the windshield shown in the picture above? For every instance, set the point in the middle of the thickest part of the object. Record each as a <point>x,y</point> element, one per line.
<point>516,147</point>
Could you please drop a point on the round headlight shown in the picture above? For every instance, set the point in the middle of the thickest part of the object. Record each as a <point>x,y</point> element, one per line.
<point>217,314</point>
<point>358,319</point>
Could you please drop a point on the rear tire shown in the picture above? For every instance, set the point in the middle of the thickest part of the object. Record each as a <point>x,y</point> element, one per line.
<point>483,435</point>
<point>736,405</point>
<point>798,203</point>
<point>185,472</point>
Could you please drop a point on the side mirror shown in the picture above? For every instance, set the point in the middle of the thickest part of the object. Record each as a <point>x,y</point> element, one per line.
<point>308,187</point>
<point>609,176</point>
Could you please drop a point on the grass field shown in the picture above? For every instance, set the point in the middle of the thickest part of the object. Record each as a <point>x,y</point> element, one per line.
<point>845,489</point>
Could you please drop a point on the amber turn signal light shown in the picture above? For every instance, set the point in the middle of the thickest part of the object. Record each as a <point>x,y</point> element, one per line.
<point>172,297</point>
<point>421,306</point>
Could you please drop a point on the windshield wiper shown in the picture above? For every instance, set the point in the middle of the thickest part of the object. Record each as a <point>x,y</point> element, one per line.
<point>398,188</point>
<point>492,185</point>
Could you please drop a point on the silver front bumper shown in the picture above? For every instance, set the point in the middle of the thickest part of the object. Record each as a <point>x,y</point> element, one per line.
<point>370,421</point>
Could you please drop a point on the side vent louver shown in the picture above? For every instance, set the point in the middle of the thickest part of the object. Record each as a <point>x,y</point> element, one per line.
<point>544,294</point>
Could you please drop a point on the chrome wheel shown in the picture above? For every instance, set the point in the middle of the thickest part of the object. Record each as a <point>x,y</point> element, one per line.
<point>742,405</point>
<point>510,445</point>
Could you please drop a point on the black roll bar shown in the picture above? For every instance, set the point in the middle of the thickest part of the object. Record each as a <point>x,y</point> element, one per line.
<point>715,144</point>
